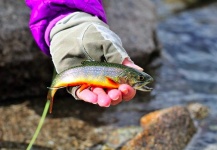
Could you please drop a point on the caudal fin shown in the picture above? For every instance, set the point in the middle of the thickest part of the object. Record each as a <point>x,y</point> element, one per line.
<point>50,97</point>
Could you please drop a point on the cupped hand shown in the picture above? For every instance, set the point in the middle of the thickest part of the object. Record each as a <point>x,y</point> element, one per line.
<point>107,97</point>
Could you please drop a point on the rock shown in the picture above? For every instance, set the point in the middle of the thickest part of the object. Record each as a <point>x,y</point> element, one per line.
<point>114,137</point>
<point>135,23</point>
<point>15,38</point>
<point>122,135</point>
<point>1,136</point>
<point>169,7</point>
<point>166,129</point>
<point>24,70</point>
<point>205,138</point>
<point>18,123</point>
<point>198,110</point>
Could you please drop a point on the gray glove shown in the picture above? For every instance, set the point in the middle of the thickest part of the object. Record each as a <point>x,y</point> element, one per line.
<point>79,37</point>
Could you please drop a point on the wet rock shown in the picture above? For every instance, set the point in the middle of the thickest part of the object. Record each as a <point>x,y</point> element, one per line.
<point>15,38</point>
<point>198,110</point>
<point>119,136</point>
<point>1,136</point>
<point>169,7</point>
<point>19,121</point>
<point>205,138</point>
<point>115,137</point>
<point>135,23</point>
<point>24,70</point>
<point>165,129</point>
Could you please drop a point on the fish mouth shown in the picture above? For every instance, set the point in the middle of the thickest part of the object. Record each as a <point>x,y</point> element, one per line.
<point>145,88</point>
<point>141,86</point>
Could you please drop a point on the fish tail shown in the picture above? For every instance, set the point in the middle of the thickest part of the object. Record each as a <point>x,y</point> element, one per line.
<point>50,97</point>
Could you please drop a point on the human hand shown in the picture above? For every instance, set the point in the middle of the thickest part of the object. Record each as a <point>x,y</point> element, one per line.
<point>80,37</point>
<point>107,97</point>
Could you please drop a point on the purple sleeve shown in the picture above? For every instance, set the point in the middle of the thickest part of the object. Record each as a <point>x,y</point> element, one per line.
<point>43,12</point>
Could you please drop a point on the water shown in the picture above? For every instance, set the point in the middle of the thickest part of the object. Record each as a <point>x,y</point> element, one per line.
<point>189,69</point>
<point>188,73</point>
<point>189,61</point>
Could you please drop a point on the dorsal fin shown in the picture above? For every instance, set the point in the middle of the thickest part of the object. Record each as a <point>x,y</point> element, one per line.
<point>85,62</point>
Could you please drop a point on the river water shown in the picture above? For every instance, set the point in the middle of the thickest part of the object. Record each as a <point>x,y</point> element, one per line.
<point>189,68</point>
<point>188,73</point>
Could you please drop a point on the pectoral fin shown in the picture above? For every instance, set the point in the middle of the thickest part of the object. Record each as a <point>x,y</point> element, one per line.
<point>83,86</point>
<point>112,83</point>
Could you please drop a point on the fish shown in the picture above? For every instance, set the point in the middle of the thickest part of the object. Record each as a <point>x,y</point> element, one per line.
<point>99,74</point>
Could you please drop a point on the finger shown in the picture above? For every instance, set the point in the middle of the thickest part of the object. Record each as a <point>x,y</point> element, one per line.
<point>103,99</point>
<point>127,92</point>
<point>116,102</point>
<point>115,95</point>
<point>87,96</point>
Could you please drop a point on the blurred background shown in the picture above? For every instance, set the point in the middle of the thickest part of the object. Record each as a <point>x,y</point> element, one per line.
<point>173,40</point>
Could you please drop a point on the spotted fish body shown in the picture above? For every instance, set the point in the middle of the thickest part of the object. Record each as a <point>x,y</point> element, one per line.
<point>99,74</point>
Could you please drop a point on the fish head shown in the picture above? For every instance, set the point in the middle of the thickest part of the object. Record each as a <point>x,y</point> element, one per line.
<point>138,79</point>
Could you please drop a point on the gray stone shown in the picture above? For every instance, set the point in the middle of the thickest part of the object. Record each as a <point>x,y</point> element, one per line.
<point>198,111</point>
<point>122,135</point>
<point>24,70</point>
<point>135,23</point>
<point>167,8</point>
<point>15,38</point>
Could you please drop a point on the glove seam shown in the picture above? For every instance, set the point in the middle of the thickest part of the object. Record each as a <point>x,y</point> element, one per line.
<point>117,45</point>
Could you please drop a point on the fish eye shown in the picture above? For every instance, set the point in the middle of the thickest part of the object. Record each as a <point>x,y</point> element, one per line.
<point>141,77</point>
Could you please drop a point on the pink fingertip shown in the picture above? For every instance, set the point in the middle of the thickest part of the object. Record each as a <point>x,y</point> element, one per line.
<point>104,103</point>
<point>94,102</point>
<point>108,105</point>
<point>125,91</point>
<point>116,98</point>
<point>88,96</point>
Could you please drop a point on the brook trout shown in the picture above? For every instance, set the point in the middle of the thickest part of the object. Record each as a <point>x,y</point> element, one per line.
<point>99,74</point>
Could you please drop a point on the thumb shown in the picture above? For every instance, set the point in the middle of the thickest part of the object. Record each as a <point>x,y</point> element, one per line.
<point>130,63</point>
